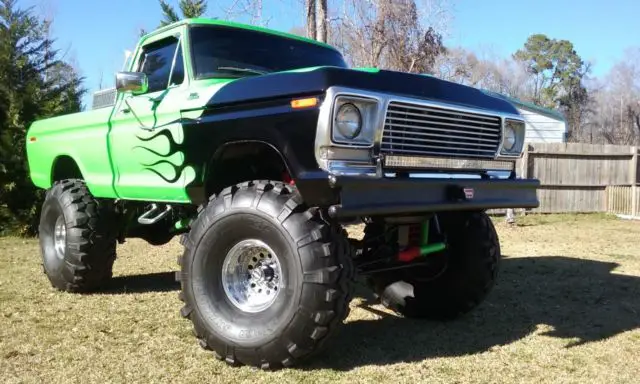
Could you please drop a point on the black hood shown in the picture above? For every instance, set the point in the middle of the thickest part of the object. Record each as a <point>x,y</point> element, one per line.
<point>317,81</point>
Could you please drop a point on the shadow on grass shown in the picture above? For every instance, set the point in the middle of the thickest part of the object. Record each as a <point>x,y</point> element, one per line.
<point>153,282</point>
<point>580,299</point>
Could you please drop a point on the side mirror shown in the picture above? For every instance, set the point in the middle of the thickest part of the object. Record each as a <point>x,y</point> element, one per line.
<point>134,82</point>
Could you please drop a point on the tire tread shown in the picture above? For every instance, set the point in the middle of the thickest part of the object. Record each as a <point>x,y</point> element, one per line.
<point>91,237</point>
<point>327,304</point>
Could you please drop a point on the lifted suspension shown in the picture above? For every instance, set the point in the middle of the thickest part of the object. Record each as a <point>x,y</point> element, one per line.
<point>407,257</point>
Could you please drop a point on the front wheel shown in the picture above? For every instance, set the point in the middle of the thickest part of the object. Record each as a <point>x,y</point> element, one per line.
<point>264,279</point>
<point>466,272</point>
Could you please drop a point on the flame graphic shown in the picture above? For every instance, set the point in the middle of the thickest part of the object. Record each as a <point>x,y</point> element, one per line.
<point>174,148</point>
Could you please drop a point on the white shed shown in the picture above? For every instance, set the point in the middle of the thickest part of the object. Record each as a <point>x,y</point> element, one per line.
<point>544,125</point>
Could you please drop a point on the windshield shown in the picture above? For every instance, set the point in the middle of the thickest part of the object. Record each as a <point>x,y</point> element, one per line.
<point>232,52</point>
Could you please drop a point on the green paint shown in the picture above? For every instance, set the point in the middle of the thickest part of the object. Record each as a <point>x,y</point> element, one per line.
<point>425,232</point>
<point>431,248</point>
<point>425,247</point>
<point>149,163</point>
<point>182,225</point>
<point>116,155</point>
<point>80,136</point>
<point>367,69</point>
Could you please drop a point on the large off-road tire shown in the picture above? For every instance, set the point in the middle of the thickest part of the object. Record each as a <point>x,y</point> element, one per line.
<point>300,263</point>
<point>460,278</point>
<point>77,236</point>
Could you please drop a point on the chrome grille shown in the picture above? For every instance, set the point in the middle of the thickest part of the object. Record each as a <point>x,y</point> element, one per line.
<point>414,129</point>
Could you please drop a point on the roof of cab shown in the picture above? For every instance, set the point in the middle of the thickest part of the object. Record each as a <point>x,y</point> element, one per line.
<point>231,24</point>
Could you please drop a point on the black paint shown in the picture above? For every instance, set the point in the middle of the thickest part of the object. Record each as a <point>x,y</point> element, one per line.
<point>279,85</point>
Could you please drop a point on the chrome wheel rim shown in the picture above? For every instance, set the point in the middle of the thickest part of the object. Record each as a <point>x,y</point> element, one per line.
<point>252,276</point>
<point>60,236</point>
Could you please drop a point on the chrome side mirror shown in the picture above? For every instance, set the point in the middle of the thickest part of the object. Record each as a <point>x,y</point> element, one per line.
<point>134,82</point>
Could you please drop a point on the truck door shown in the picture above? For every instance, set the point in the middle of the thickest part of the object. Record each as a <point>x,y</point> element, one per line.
<point>146,133</point>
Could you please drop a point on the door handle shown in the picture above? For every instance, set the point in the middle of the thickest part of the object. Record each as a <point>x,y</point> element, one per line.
<point>125,110</point>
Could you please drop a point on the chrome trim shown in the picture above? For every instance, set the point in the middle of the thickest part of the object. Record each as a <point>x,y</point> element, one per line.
<point>134,82</point>
<point>179,47</point>
<point>346,168</point>
<point>324,128</point>
<point>429,136</point>
<point>252,276</point>
<point>60,237</point>
<point>513,156</point>
<point>503,175</point>
<point>325,119</point>
<point>447,163</point>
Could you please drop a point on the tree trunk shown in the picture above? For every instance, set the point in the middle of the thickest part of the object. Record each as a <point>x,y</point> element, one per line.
<point>310,6</point>
<point>322,21</point>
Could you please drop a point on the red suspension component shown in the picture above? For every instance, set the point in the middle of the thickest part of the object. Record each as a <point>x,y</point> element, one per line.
<point>409,254</point>
<point>286,177</point>
<point>412,241</point>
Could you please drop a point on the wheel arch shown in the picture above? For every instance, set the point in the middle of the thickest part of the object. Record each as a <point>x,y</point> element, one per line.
<point>263,159</point>
<point>65,167</point>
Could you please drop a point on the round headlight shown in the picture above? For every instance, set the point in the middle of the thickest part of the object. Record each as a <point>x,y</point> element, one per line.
<point>509,138</point>
<point>349,121</point>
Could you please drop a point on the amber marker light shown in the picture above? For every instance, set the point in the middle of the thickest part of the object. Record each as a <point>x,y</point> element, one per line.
<point>32,139</point>
<point>304,103</point>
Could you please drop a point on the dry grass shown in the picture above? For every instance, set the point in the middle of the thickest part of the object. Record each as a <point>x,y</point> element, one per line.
<point>567,309</point>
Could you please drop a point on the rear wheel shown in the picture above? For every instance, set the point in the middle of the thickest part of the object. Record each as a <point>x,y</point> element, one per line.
<point>465,273</point>
<point>264,279</point>
<point>77,237</point>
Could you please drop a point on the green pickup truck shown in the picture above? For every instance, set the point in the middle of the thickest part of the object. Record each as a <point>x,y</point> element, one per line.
<point>257,148</point>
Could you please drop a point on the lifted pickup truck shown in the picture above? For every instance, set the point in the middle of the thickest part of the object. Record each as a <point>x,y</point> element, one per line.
<point>258,148</point>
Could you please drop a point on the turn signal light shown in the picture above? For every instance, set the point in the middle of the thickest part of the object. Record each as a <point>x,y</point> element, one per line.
<point>304,103</point>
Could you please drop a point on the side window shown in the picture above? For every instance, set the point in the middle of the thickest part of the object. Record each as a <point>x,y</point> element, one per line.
<point>156,62</point>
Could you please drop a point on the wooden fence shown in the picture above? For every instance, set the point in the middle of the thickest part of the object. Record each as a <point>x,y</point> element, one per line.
<point>623,200</point>
<point>583,178</point>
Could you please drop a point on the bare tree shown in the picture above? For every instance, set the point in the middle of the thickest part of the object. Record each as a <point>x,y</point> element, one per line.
<point>485,70</point>
<point>390,34</point>
<point>252,10</point>
<point>615,105</point>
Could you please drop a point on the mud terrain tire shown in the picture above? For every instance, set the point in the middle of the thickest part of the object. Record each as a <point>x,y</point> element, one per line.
<point>77,237</point>
<point>314,261</point>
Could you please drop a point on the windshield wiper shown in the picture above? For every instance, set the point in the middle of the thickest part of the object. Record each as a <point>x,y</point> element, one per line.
<point>243,70</point>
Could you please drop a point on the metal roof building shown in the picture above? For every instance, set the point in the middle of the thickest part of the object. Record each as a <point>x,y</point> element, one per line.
<point>544,125</point>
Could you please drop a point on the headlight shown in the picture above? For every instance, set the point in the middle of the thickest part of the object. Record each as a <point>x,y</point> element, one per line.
<point>349,121</point>
<point>354,121</point>
<point>512,138</point>
<point>509,138</point>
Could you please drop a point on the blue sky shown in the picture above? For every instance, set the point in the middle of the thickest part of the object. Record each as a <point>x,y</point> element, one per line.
<point>96,33</point>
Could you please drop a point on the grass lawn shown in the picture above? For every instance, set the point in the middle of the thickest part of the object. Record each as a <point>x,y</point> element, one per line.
<point>566,309</point>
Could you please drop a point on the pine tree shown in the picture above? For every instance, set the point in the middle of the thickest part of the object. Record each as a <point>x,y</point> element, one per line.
<point>34,84</point>
<point>189,9</point>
